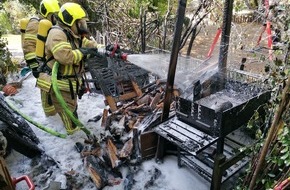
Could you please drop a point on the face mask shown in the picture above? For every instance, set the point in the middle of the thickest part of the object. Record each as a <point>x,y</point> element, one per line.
<point>82,27</point>
<point>53,20</point>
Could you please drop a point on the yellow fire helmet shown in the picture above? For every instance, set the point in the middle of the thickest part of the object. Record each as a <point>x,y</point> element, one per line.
<point>70,12</point>
<point>48,6</point>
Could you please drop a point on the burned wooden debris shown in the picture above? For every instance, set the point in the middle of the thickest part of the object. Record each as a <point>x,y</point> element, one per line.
<point>17,131</point>
<point>120,145</point>
<point>119,80</point>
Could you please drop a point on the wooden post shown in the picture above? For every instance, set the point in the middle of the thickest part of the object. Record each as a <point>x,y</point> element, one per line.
<point>5,178</point>
<point>160,149</point>
<point>225,39</point>
<point>217,172</point>
<point>171,73</point>
<point>173,59</point>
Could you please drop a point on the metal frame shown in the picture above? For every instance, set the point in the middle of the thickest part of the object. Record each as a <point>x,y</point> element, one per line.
<point>197,128</point>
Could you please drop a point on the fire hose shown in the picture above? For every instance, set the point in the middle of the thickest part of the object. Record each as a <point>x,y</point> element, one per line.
<point>114,53</point>
<point>38,125</point>
<point>62,101</point>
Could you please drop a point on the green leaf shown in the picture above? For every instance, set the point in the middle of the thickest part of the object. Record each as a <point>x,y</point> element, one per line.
<point>285,149</point>
<point>280,162</point>
<point>285,156</point>
<point>271,175</point>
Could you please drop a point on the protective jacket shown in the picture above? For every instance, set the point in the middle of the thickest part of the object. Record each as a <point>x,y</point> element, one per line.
<point>29,47</point>
<point>62,46</point>
<point>29,42</point>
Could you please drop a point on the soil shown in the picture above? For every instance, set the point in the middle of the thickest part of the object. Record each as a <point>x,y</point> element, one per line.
<point>243,42</point>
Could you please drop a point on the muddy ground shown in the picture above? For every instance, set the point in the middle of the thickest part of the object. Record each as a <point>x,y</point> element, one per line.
<point>243,42</point>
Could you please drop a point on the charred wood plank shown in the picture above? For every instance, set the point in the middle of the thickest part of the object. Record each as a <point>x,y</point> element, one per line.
<point>136,88</point>
<point>136,156</point>
<point>104,118</point>
<point>146,99</point>
<point>131,124</point>
<point>140,109</point>
<point>97,173</point>
<point>5,178</point>
<point>137,123</point>
<point>155,100</point>
<point>111,102</point>
<point>95,152</point>
<point>127,96</point>
<point>148,142</point>
<point>112,152</point>
<point>20,142</point>
<point>126,150</point>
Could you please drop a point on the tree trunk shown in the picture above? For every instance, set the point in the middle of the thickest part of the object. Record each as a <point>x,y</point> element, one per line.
<point>274,127</point>
<point>191,41</point>
<point>165,25</point>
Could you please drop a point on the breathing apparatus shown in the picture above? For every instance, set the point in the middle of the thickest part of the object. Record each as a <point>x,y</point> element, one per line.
<point>82,27</point>
<point>43,28</point>
<point>23,26</point>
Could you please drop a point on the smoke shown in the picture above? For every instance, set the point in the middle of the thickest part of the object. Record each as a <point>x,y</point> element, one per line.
<point>188,69</point>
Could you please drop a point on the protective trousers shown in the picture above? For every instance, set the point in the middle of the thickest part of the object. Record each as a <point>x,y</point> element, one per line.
<point>72,105</point>
<point>47,104</point>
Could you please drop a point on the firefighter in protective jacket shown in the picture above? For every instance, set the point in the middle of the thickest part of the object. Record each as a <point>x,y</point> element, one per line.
<point>47,10</point>
<point>66,44</point>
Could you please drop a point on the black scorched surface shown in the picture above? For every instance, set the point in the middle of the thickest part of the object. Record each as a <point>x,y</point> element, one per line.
<point>17,131</point>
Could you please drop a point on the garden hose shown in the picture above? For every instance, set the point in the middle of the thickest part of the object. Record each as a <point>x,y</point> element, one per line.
<point>62,102</point>
<point>38,125</point>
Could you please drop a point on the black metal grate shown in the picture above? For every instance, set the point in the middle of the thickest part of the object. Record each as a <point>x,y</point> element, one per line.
<point>223,110</point>
<point>114,76</point>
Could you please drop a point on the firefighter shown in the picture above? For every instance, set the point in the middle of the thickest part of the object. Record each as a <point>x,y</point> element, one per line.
<point>67,44</point>
<point>47,10</point>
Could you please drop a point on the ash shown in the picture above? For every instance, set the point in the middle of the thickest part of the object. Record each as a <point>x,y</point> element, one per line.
<point>234,92</point>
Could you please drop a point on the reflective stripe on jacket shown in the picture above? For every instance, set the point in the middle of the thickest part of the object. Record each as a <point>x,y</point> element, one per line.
<point>61,49</point>
<point>29,42</point>
<point>64,51</point>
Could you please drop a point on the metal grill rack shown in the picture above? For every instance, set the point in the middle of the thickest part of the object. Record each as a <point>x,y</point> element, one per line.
<point>118,80</point>
<point>202,126</point>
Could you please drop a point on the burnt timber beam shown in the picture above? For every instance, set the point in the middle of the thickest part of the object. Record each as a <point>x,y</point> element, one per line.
<point>173,59</point>
<point>171,73</point>
<point>222,65</point>
<point>225,39</point>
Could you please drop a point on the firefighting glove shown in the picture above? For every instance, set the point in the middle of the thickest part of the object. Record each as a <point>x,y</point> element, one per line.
<point>89,51</point>
<point>35,72</point>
